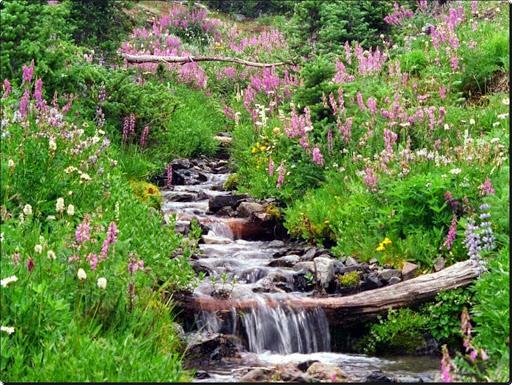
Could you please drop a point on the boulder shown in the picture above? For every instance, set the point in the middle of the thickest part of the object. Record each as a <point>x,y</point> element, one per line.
<point>276,243</point>
<point>218,202</point>
<point>256,375</point>
<point>307,266</point>
<point>246,209</point>
<point>215,240</point>
<point>309,254</point>
<point>379,376</point>
<point>327,372</point>
<point>286,261</point>
<point>212,350</point>
<point>394,280</point>
<point>324,270</point>
<point>408,270</point>
<point>439,264</point>
<point>351,261</point>
<point>303,366</point>
<point>387,274</point>
<point>371,282</point>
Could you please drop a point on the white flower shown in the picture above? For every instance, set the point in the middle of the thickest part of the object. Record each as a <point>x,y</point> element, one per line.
<point>70,169</point>
<point>506,101</point>
<point>446,127</point>
<point>7,329</point>
<point>51,217</point>
<point>502,116</point>
<point>27,209</point>
<point>443,176</point>
<point>52,145</point>
<point>81,274</point>
<point>11,163</point>
<point>471,121</point>
<point>102,283</point>
<point>495,140</point>
<point>51,255</point>
<point>71,210</point>
<point>38,249</point>
<point>496,124</point>
<point>85,177</point>
<point>9,280</point>
<point>1,237</point>
<point>455,171</point>
<point>60,205</point>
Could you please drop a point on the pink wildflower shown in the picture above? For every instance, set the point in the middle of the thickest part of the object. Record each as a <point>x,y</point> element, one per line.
<point>93,260</point>
<point>318,158</point>
<point>360,102</point>
<point>144,137</point>
<point>30,264</point>
<point>82,233</point>
<point>270,166</point>
<point>486,187</point>
<point>7,88</point>
<point>282,171</point>
<point>28,72</point>
<point>16,259</point>
<point>452,234</point>
<point>483,354</point>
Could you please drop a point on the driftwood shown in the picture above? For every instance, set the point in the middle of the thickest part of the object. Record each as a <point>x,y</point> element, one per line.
<point>355,308</point>
<point>190,59</point>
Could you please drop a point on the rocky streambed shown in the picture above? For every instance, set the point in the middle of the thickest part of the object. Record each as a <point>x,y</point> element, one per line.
<point>246,256</point>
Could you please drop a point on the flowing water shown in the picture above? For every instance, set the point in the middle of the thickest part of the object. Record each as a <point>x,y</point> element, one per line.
<point>273,332</point>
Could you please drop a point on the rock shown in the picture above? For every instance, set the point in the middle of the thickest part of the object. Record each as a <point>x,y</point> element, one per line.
<point>371,282</point>
<point>394,280</point>
<point>345,269</point>
<point>253,275</point>
<point>303,366</point>
<point>287,261</point>
<point>309,254</point>
<point>408,270</point>
<point>307,266</point>
<point>276,243</point>
<point>182,227</point>
<point>408,379</point>
<point>256,375</point>
<point>180,197</point>
<point>181,164</point>
<point>379,376</point>
<point>326,372</point>
<point>224,140</point>
<point>324,270</point>
<point>218,202</point>
<point>374,260</point>
<point>301,283</point>
<point>199,267</point>
<point>246,209</point>
<point>387,274</point>
<point>201,375</point>
<point>226,211</point>
<point>351,261</point>
<point>212,350</point>
<point>439,264</point>
<point>215,240</point>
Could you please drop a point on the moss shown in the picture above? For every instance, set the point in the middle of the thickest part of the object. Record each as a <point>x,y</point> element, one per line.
<point>273,211</point>
<point>147,193</point>
<point>349,279</point>
<point>231,182</point>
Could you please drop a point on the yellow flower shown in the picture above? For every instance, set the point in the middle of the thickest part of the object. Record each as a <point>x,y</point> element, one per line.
<point>386,241</point>
<point>263,148</point>
<point>253,150</point>
<point>381,247</point>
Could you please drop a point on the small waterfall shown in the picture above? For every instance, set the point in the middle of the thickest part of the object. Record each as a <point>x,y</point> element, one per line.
<point>221,229</point>
<point>285,330</point>
<point>277,328</point>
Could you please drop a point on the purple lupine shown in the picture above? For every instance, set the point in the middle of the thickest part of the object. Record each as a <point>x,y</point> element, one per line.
<point>99,117</point>
<point>448,196</point>
<point>24,103</point>
<point>452,234</point>
<point>486,187</point>
<point>144,137</point>
<point>7,89</point>
<point>318,158</point>
<point>333,104</point>
<point>442,92</point>
<point>389,138</point>
<point>270,166</point>
<point>102,94</point>
<point>93,260</point>
<point>372,105</point>
<point>281,170</point>
<point>82,233</point>
<point>485,227</point>
<point>370,180</point>
<point>472,43</point>
<point>360,102</point>
<point>28,72</point>
<point>474,26</point>
<point>68,104</point>
<point>169,176</point>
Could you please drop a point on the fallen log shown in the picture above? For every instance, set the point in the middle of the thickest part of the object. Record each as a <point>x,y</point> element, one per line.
<point>190,59</point>
<point>355,308</point>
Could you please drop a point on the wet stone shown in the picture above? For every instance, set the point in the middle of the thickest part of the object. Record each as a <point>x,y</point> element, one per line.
<point>276,243</point>
<point>309,254</point>
<point>371,282</point>
<point>287,261</point>
<point>394,280</point>
<point>379,376</point>
<point>387,274</point>
<point>307,266</point>
<point>351,261</point>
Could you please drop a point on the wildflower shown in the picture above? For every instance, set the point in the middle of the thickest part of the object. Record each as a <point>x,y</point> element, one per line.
<point>486,187</point>
<point>60,205</point>
<point>134,265</point>
<point>70,169</point>
<point>7,88</point>
<point>455,171</point>
<point>276,130</point>
<point>7,329</point>
<point>381,247</point>
<point>472,355</point>
<point>38,249</point>
<point>495,140</point>
<point>506,101</point>
<point>82,233</point>
<point>16,259</point>
<point>27,210</point>
<point>8,281</point>
<point>483,354</point>
<point>85,177</point>
<point>502,116</point>
<point>386,241</point>
<point>495,124</point>
<point>93,260</point>
<point>102,283</point>
<point>52,145</point>
<point>71,210</point>
<point>270,166</point>
<point>471,121</point>
<point>318,158</point>
<point>81,274</point>
<point>30,264</point>
<point>282,171</point>
<point>452,233</point>
<point>11,163</point>
<point>446,365</point>
<point>51,255</point>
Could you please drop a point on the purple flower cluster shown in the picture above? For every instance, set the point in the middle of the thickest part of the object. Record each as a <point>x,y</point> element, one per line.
<point>282,171</point>
<point>370,180</point>
<point>7,89</point>
<point>82,233</point>
<point>134,265</point>
<point>452,233</point>
<point>486,187</point>
<point>93,260</point>
<point>110,240</point>
<point>102,94</point>
<point>479,238</point>
<point>28,72</point>
<point>144,137</point>
<point>270,166</point>
<point>318,158</point>
<point>24,103</point>
<point>397,17</point>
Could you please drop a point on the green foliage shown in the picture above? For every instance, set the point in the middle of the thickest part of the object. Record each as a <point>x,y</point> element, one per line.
<point>444,314</point>
<point>321,27</point>
<point>401,332</point>
<point>251,8</point>
<point>348,279</point>
<point>231,183</point>
<point>147,193</point>
<point>491,314</point>
<point>413,62</point>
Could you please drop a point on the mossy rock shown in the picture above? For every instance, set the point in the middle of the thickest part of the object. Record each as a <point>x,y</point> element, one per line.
<point>348,279</point>
<point>231,183</point>
<point>147,193</point>
<point>273,211</point>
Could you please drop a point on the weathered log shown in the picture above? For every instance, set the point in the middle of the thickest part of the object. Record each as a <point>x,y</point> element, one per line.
<point>358,307</point>
<point>190,59</point>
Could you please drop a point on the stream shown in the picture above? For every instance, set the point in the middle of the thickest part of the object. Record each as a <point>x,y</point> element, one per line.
<point>266,336</point>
